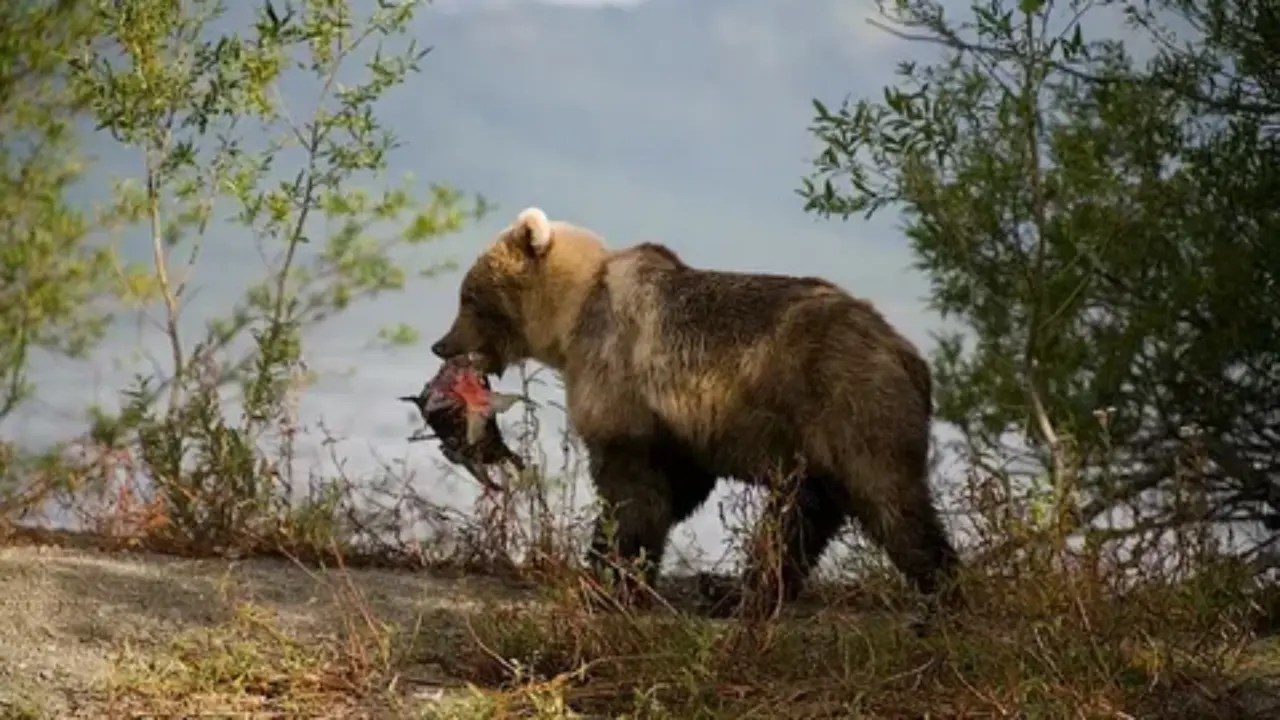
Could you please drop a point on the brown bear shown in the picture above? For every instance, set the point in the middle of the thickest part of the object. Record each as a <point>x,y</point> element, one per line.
<point>676,376</point>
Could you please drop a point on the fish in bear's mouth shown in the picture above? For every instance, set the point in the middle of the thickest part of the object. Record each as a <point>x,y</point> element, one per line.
<point>460,408</point>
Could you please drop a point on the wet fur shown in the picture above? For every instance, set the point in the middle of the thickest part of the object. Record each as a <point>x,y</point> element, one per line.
<point>676,376</point>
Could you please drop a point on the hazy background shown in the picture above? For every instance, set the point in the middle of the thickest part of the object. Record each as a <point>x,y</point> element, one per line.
<point>682,121</point>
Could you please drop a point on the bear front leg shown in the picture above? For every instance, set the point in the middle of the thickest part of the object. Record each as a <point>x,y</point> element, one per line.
<point>637,514</point>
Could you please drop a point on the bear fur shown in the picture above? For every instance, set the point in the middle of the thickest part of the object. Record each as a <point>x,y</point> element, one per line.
<point>676,376</point>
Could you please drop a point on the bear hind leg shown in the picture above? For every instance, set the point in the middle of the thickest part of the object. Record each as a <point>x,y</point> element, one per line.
<point>900,516</point>
<point>808,524</point>
<point>797,525</point>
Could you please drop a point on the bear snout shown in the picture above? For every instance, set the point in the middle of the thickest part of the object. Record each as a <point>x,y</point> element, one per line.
<point>450,348</point>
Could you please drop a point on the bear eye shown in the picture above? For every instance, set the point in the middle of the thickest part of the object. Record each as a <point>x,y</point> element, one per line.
<point>479,303</point>
<point>471,296</point>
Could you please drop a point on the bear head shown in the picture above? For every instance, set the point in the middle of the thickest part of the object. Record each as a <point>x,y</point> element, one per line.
<point>521,297</point>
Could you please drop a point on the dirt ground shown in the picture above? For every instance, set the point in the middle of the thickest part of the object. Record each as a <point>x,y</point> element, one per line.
<point>66,614</point>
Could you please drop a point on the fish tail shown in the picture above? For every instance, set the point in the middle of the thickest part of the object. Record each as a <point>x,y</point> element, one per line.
<point>476,420</point>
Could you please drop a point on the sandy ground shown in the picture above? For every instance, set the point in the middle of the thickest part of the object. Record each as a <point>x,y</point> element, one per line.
<point>66,614</point>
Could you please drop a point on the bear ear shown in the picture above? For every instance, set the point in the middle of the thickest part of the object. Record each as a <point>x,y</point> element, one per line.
<point>532,229</point>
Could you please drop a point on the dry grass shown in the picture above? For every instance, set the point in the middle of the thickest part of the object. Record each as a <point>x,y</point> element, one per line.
<point>147,636</point>
<point>1040,647</point>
